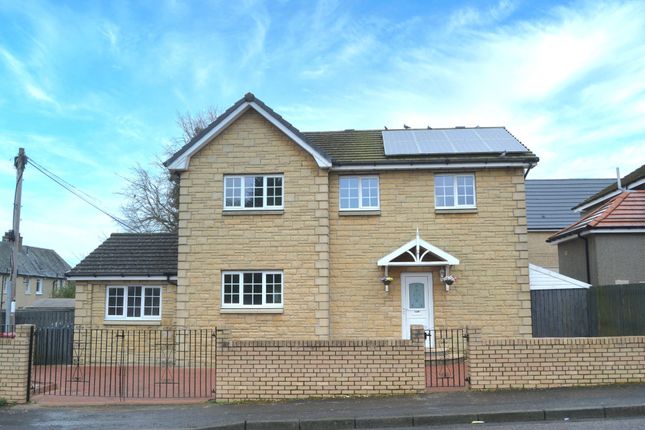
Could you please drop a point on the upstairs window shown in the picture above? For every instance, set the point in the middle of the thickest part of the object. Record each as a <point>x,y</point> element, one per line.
<point>39,286</point>
<point>252,290</point>
<point>253,192</point>
<point>455,191</point>
<point>359,193</point>
<point>27,285</point>
<point>133,303</point>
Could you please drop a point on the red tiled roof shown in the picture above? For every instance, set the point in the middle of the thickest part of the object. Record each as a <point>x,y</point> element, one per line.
<point>625,211</point>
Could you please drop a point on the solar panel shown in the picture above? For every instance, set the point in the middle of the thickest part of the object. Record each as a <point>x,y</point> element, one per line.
<point>450,141</point>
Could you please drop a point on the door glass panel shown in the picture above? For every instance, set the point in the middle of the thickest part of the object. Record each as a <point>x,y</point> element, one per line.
<point>417,295</point>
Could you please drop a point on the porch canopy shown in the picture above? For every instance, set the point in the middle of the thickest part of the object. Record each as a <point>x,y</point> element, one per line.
<point>418,252</point>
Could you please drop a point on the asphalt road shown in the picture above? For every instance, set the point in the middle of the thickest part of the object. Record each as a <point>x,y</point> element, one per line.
<point>601,424</point>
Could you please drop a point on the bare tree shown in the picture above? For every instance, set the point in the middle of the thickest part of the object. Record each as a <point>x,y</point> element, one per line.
<point>152,195</point>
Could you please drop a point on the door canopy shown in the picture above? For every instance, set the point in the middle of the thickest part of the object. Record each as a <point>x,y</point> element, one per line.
<point>418,252</point>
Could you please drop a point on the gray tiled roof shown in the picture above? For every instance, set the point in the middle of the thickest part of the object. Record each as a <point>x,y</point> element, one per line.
<point>32,261</point>
<point>131,254</point>
<point>549,201</point>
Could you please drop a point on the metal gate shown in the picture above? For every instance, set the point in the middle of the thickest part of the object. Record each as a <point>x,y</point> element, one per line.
<point>124,363</point>
<point>446,358</point>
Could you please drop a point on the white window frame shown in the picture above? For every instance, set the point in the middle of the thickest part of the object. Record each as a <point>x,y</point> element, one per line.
<point>455,191</point>
<point>241,206</point>
<point>39,286</point>
<point>26,283</point>
<point>240,304</point>
<point>124,317</point>
<point>360,193</point>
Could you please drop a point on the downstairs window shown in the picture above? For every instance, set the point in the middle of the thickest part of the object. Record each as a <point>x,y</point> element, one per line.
<point>133,303</point>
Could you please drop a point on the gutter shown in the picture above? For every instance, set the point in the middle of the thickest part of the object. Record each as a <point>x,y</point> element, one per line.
<point>587,268</point>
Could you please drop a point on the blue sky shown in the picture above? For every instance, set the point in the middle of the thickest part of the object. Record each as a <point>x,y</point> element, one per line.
<point>92,88</point>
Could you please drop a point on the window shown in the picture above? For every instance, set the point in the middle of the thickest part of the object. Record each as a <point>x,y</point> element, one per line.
<point>27,285</point>
<point>39,286</point>
<point>454,191</point>
<point>359,192</point>
<point>253,192</point>
<point>252,290</point>
<point>133,302</point>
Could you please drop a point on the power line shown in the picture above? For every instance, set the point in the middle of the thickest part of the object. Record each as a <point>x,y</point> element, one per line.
<point>78,193</point>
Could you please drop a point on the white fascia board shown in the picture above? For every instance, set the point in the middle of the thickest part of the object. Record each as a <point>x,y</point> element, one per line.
<point>427,166</point>
<point>573,282</point>
<point>121,278</point>
<point>182,162</point>
<point>447,258</point>
<point>599,231</point>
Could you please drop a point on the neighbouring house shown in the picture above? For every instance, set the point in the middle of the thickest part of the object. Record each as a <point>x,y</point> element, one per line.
<point>607,246</point>
<point>327,235</point>
<point>549,204</point>
<point>40,272</point>
<point>634,180</point>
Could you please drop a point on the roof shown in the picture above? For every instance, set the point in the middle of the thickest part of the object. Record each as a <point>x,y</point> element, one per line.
<point>549,201</point>
<point>179,160</point>
<point>360,147</point>
<point>343,148</point>
<point>52,304</point>
<point>545,279</point>
<point>625,211</point>
<point>633,180</point>
<point>33,261</point>
<point>131,254</point>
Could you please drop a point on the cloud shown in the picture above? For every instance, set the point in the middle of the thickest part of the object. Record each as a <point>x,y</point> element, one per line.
<point>25,78</point>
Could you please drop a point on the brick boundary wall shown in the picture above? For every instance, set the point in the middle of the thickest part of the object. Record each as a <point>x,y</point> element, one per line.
<point>555,362</point>
<point>14,365</point>
<point>285,369</point>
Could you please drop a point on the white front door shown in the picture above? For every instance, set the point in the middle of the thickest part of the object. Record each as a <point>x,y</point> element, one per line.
<point>416,301</point>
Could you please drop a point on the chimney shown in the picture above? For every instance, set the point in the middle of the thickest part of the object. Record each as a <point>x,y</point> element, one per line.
<point>9,237</point>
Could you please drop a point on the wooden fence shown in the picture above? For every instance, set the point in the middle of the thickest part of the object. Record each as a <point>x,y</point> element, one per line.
<point>608,310</point>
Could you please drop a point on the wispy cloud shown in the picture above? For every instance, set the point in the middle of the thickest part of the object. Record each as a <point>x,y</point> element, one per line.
<point>25,79</point>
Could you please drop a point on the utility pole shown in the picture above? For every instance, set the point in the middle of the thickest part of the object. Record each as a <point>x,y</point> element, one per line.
<point>20,162</point>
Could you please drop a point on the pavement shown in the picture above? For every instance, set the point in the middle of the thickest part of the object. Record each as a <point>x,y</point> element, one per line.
<point>347,413</point>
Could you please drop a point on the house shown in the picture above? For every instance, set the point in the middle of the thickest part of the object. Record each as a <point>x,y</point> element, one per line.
<point>632,181</point>
<point>327,235</point>
<point>548,210</point>
<point>608,244</point>
<point>40,272</point>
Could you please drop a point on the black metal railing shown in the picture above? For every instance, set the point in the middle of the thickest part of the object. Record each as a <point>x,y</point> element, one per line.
<point>446,358</point>
<point>125,363</point>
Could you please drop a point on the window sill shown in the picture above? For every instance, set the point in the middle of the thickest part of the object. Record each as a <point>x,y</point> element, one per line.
<point>251,310</point>
<point>253,212</point>
<point>132,322</point>
<point>456,211</point>
<point>359,212</point>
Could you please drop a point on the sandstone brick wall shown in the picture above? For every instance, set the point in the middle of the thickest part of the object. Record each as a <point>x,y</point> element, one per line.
<point>90,304</point>
<point>288,369</point>
<point>555,362</point>
<point>14,356</point>
<point>295,241</point>
<point>542,253</point>
<point>492,290</point>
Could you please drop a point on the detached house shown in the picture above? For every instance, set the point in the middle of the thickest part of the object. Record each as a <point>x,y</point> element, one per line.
<point>347,234</point>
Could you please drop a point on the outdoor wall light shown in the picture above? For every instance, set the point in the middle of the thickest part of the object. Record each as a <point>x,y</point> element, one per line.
<point>387,280</point>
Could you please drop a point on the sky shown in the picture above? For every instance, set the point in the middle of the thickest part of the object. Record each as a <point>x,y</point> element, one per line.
<point>90,89</point>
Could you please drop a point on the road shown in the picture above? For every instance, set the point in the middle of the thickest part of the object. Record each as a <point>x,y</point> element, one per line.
<point>601,424</point>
